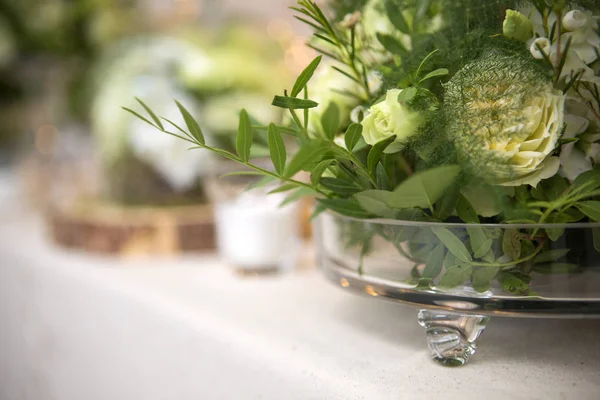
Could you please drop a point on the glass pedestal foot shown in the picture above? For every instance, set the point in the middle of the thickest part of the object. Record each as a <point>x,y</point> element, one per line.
<point>451,337</point>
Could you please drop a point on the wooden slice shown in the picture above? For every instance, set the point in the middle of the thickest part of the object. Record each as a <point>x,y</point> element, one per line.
<point>111,229</point>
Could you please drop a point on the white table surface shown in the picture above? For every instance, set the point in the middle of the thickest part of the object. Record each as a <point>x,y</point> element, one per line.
<point>75,327</point>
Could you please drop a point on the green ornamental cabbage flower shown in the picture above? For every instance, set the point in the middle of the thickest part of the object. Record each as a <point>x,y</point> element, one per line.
<point>506,120</point>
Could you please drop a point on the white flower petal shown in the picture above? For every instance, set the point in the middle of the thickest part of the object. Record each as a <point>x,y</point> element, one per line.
<point>547,169</point>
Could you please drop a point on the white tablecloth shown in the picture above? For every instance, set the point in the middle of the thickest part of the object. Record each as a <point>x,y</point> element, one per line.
<point>75,327</point>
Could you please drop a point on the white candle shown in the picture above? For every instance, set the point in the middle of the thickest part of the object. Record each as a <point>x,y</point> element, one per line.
<point>254,232</point>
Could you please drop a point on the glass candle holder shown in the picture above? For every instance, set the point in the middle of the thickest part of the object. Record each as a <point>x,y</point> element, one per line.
<point>255,232</point>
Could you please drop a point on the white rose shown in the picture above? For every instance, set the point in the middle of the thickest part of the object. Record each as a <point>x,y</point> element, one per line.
<point>389,118</point>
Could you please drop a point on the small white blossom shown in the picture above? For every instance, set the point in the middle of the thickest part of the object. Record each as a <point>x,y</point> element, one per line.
<point>574,20</point>
<point>350,20</point>
<point>539,47</point>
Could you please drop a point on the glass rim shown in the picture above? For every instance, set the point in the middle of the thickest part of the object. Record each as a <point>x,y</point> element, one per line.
<point>424,224</point>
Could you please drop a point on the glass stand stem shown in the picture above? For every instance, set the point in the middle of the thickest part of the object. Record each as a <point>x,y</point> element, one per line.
<point>451,336</point>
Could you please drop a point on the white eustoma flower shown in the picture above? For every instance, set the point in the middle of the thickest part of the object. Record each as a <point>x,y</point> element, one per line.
<point>540,47</point>
<point>573,161</point>
<point>585,40</point>
<point>389,118</point>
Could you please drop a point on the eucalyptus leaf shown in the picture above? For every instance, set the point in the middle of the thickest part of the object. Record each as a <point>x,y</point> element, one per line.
<point>277,149</point>
<point>423,189</point>
<point>305,76</point>
<point>191,124</point>
<point>454,276</point>
<point>330,120</point>
<point>353,135</point>
<point>244,137</point>
<point>453,243</point>
<point>435,261</point>
<point>293,103</point>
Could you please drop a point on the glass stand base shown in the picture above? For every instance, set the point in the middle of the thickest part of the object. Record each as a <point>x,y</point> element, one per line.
<point>451,337</point>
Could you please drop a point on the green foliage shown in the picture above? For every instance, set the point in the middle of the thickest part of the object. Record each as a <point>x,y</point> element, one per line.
<point>470,84</point>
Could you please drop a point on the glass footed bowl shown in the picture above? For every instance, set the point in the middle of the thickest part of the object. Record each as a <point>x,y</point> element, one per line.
<point>461,274</point>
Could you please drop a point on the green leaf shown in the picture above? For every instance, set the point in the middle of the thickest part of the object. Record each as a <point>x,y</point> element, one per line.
<point>377,151</point>
<point>555,187</point>
<point>511,243</point>
<point>305,76</point>
<point>353,135</point>
<point>277,149</point>
<point>395,16</point>
<point>423,189</point>
<point>244,137</point>
<point>374,201</point>
<point>454,276</point>
<point>129,110</point>
<point>433,267</point>
<point>293,103</point>
<point>319,170</point>
<point>392,44</point>
<point>382,178</point>
<point>297,195</point>
<point>407,95</point>
<point>340,187</point>
<point>284,188</point>
<point>596,235</point>
<point>587,181</point>
<point>480,243</point>
<point>347,207</point>
<point>551,255</point>
<point>465,211</point>
<point>453,243</point>
<point>433,74</point>
<point>191,124</point>
<point>514,285</point>
<point>555,268</point>
<point>265,180</point>
<point>590,208</point>
<point>309,155</point>
<point>330,120</point>
<point>447,204</point>
<point>241,173</point>
<point>151,114</point>
<point>482,277</point>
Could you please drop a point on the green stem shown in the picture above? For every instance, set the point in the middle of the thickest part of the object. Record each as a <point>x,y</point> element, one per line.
<point>510,264</point>
<point>264,171</point>
<point>303,131</point>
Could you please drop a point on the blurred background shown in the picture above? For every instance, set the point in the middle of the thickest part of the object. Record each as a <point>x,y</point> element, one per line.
<point>103,180</point>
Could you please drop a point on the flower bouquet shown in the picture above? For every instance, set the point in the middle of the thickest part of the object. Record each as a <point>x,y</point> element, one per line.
<point>454,160</point>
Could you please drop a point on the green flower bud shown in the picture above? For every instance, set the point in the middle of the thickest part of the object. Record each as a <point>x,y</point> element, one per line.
<point>517,26</point>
